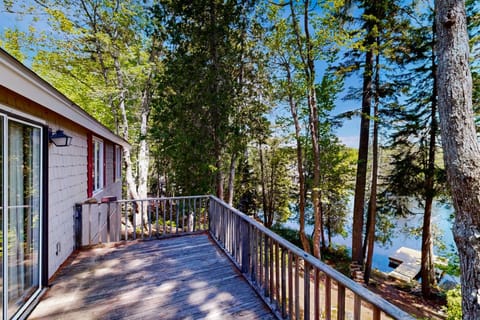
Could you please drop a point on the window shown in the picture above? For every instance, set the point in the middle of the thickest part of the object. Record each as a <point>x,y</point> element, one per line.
<point>118,163</point>
<point>97,167</point>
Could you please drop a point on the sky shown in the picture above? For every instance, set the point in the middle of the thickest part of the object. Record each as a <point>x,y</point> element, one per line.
<point>348,133</point>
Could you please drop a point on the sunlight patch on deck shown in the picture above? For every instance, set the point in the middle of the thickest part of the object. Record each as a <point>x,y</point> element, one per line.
<point>176,278</point>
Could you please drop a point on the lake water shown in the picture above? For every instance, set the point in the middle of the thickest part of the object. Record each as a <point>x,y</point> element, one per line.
<point>401,238</point>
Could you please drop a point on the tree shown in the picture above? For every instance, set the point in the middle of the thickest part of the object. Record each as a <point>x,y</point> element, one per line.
<point>106,50</point>
<point>307,26</point>
<point>415,170</point>
<point>460,144</point>
<point>275,180</point>
<point>287,89</point>
<point>206,117</point>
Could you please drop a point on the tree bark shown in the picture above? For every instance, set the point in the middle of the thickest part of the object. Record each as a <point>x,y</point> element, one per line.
<point>427,267</point>
<point>263,183</point>
<point>308,65</point>
<point>231,178</point>
<point>361,179</point>
<point>460,144</point>
<point>372,204</point>
<point>301,175</point>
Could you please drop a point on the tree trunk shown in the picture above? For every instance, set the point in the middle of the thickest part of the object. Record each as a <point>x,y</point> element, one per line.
<point>231,178</point>
<point>219,175</point>
<point>460,144</point>
<point>372,204</point>
<point>427,267</point>
<point>361,179</point>
<point>301,176</point>
<point>263,183</point>
<point>314,133</point>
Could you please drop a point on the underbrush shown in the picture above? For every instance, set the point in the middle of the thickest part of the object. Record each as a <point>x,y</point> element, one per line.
<point>336,256</point>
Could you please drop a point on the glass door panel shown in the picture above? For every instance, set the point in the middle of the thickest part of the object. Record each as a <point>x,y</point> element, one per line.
<point>24,206</point>
<point>2,204</point>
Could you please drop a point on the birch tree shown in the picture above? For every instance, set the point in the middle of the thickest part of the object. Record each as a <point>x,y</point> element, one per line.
<point>111,57</point>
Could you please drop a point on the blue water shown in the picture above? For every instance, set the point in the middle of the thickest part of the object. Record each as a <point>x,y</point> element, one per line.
<point>441,225</point>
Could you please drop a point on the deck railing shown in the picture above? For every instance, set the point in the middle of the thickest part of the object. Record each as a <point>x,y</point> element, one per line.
<point>293,283</point>
<point>111,221</point>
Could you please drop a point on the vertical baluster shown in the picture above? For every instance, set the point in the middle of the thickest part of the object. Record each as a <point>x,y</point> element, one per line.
<point>134,218</point>
<point>267,267</point>
<point>277,274</point>
<point>177,209</point>
<point>119,221</point>
<point>272,275</point>
<point>99,223</point>
<point>194,213</point>
<point>306,290</point>
<point>183,215</point>
<point>89,224</point>
<point>261,259</point>
<point>207,218</point>
<point>149,217</point>
<point>290,293</point>
<point>284,284</point>
<point>357,307</point>
<point>316,294</point>
<point>171,216</point>
<point>376,313</point>
<point>223,225</point>
<point>203,206</point>
<point>341,301</point>
<point>164,215</point>
<point>157,224</point>
<point>195,220</point>
<point>328,298</point>
<point>253,254</point>
<point>240,232</point>
<point>125,206</point>
<point>141,218</point>
<point>297,287</point>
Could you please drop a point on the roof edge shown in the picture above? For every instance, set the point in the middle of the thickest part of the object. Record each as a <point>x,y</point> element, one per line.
<point>18,78</point>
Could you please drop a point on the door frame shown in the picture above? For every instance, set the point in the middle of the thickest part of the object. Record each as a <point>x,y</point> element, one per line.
<point>5,116</point>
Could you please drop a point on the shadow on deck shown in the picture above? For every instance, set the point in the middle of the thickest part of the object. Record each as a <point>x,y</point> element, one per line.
<point>176,278</point>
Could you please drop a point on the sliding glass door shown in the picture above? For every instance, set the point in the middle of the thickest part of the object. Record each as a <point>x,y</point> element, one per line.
<point>3,191</point>
<point>21,215</point>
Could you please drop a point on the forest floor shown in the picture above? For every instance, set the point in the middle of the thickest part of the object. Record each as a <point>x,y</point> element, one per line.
<point>408,297</point>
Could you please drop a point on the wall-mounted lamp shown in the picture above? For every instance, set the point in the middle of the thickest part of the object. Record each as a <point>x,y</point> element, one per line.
<point>59,138</point>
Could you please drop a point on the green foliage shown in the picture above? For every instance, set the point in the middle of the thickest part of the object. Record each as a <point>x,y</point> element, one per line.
<point>289,234</point>
<point>208,109</point>
<point>275,178</point>
<point>454,304</point>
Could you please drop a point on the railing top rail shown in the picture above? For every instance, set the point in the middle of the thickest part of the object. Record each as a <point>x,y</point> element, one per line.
<point>162,198</point>
<point>356,288</point>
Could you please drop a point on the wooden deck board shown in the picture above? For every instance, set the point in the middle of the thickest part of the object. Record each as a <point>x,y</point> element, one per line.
<point>177,278</point>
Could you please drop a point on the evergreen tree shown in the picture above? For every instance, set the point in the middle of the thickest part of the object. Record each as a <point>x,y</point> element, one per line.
<point>210,106</point>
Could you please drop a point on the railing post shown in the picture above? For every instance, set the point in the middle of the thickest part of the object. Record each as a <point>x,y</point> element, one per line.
<point>245,234</point>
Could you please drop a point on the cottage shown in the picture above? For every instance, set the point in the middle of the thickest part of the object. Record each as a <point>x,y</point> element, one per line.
<point>53,155</point>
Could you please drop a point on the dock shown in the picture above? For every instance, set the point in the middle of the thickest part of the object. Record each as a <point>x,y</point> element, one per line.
<point>407,263</point>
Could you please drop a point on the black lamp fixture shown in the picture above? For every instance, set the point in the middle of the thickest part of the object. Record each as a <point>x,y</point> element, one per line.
<point>59,138</point>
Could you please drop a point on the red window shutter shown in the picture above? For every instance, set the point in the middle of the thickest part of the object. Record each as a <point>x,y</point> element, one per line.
<point>89,165</point>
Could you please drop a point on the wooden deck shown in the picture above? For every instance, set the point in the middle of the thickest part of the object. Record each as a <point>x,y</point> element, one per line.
<point>176,278</point>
